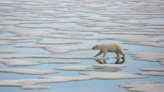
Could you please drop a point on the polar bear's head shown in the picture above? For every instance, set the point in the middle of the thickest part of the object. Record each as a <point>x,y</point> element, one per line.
<point>96,47</point>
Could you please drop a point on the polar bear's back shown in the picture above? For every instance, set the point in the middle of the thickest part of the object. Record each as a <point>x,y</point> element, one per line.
<point>113,47</point>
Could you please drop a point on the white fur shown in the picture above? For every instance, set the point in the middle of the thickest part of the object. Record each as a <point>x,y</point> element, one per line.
<point>113,47</point>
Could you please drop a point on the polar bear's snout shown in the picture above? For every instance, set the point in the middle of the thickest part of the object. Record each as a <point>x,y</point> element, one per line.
<point>93,48</point>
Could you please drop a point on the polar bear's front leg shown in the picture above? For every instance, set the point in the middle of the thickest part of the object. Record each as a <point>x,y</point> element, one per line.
<point>105,52</point>
<point>100,52</point>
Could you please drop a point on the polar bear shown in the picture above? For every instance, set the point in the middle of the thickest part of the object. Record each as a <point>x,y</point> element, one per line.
<point>113,47</point>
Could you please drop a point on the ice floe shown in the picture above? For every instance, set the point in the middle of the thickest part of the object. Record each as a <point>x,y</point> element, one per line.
<point>112,75</point>
<point>10,56</point>
<point>17,62</point>
<point>6,42</point>
<point>97,67</point>
<point>3,51</point>
<point>143,86</point>
<point>34,87</point>
<point>108,66</point>
<point>58,48</point>
<point>60,62</point>
<point>153,44</point>
<point>153,69</point>
<point>59,42</point>
<point>20,63</point>
<point>75,68</point>
<point>135,33</point>
<point>156,56</point>
<point>152,73</point>
<point>59,79</point>
<point>27,71</point>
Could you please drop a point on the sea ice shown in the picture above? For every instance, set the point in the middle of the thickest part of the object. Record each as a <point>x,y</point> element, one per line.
<point>10,56</point>
<point>6,42</point>
<point>3,51</point>
<point>154,44</point>
<point>108,66</point>
<point>75,68</point>
<point>156,56</point>
<point>17,62</point>
<point>58,48</point>
<point>143,86</point>
<point>27,71</point>
<point>153,69</point>
<point>59,42</point>
<point>60,62</point>
<point>152,73</point>
<point>112,75</point>
<point>34,87</point>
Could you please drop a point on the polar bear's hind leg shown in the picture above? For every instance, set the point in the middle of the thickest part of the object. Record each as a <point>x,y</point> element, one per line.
<point>118,55</point>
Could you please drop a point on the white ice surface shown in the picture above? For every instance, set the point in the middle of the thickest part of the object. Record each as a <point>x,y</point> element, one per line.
<point>59,42</point>
<point>5,51</point>
<point>75,68</point>
<point>154,44</point>
<point>59,79</point>
<point>10,56</point>
<point>17,62</point>
<point>60,62</point>
<point>34,87</point>
<point>152,73</point>
<point>153,69</point>
<point>112,75</point>
<point>58,48</point>
<point>108,66</point>
<point>156,56</point>
<point>20,63</point>
<point>143,86</point>
<point>27,71</point>
<point>112,68</point>
<point>6,42</point>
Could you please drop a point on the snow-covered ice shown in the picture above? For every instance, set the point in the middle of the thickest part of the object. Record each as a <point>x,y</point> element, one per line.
<point>58,48</point>
<point>75,68</point>
<point>27,71</point>
<point>156,56</point>
<point>6,51</point>
<point>60,62</point>
<point>17,62</point>
<point>143,86</point>
<point>34,87</point>
<point>153,69</point>
<point>109,66</point>
<point>152,73</point>
<point>59,42</point>
<point>10,56</point>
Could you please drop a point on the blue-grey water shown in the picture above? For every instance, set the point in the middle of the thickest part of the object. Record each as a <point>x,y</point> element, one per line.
<point>133,65</point>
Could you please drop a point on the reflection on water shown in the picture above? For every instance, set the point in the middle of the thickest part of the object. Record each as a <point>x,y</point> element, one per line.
<point>117,61</point>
